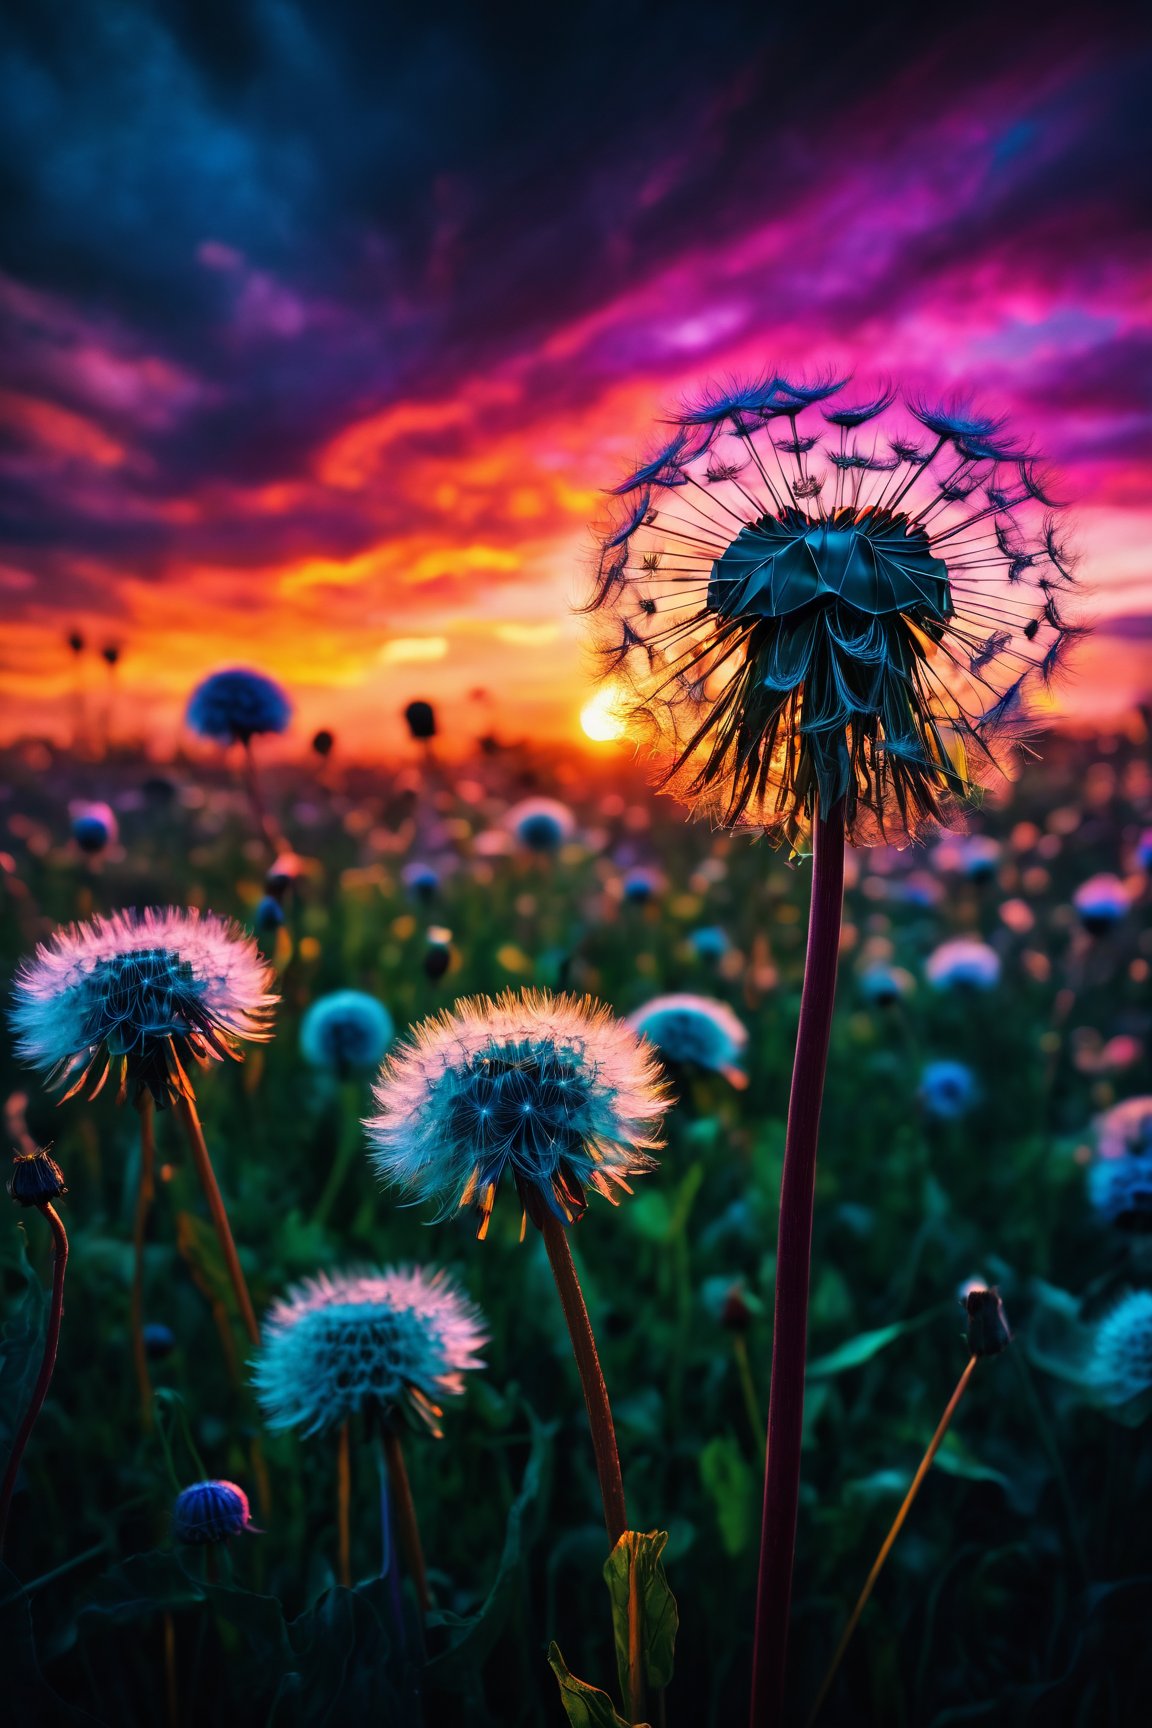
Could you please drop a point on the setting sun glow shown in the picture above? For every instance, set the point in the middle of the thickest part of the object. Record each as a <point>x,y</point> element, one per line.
<point>600,717</point>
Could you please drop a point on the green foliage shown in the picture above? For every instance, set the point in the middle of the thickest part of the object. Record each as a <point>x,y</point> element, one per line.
<point>639,1592</point>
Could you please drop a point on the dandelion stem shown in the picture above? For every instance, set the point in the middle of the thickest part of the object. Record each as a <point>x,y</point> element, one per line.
<point>186,1109</point>
<point>47,1364</point>
<point>144,1196</point>
<point>748,1388</point>
<point>793,1272</point>
<point>408,1529</point>
<point>344,1504</point>
<point>889,1540</point>
<point>256,798</point>
<point>591,1376</point>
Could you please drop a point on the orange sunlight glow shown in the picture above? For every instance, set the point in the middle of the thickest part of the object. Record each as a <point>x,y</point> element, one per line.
<point>601,718</point>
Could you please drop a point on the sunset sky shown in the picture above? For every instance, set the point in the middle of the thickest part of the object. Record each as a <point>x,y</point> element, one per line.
<point>323,327</point>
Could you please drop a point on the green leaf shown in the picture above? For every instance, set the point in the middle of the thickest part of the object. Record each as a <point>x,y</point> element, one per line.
<point>471,1639</point>
<point>865,1345</point>
<point>584,1705</point>
<point>727,1478</point>
<point>638,1588</point>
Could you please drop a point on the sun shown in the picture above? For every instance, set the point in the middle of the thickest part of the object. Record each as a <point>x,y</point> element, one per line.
<point>600,717</point>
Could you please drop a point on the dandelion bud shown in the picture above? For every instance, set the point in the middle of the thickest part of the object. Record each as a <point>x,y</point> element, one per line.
<point>210,1512</point>
<point>322,742</point>
<point>36,1179</point>
<point>421,718</point>
<point>988,1332</point>
<point>159,1341</point>
<point>438,953</point>
<point>737,1314</point>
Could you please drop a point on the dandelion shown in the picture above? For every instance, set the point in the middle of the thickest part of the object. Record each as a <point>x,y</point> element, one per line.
<point>1125,1128</point>
<point>151,992</point>
<point>389,1345</point>
<point>975,856</point>
<point>557,1093</point>
<point>641,886</point>
<point>233,707</point>
<point>237,705</point>
<point>963,964</point>
<point>421,881</point>
<point>948,1090</point>
<point>94,828</point>
<point>884,986</point>
<point>541,825</point>
<point>695,1032</point>
<point>37,1181</point>
<point>827,616</point>
<point>346,1032</point>
<point>552,1090</point>
<point>1120,1190</point>
<point>1122,1348</point>
<point>420,718</point>
<point>1101,903</point>
<point>209,1513</point>
<point>150,995</point>
<point>709,942</point>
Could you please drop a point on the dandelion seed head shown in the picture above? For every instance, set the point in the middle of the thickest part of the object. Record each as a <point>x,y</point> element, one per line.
<point>1102,902</point>
<point>1122,1348</point>
<point>963,964</point>
<point>1125,1128</point>
<point>152,990</point>
<point>885,985</point>
<point>94,827</point>
<point>552,1089</point>
<point>541,824</point>
<point>346,1032</point>
<point>692,1030</point>
<point>1120,1190</point>
<point>948,1090</point>
<point>396,1340</point>
<point>234,706</point>
<point>850,616</point>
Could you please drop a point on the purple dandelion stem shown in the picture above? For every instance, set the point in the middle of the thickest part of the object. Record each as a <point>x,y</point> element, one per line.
<point>48,1363</point>
<point>793,1274</point>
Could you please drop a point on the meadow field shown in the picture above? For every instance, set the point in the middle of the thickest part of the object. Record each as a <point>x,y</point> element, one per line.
<point>965,1139</point>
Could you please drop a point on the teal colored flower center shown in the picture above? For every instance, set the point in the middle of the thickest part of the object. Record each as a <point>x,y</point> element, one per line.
<point>874,561</point>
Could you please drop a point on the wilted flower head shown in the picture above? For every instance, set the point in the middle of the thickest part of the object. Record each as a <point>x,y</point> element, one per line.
<point>554,1089</point>
<point>694,1030</point>
<point>1120,1190</point>
<point>810,603</point>
<point>541,824</point>
<point>36,1179</point>
<point>948,1090</point>
<point>1126,1128</point>
<point>151,990</point>
<point>210,1512</point>
<point>94,827</point>
<point>234,706</point>
<point>398,1339</point>
<point>988,1329</point>
<point>346,1031</point>
<point>1122,1353</point>
<point>1102,902</point>
<point>963,964</point>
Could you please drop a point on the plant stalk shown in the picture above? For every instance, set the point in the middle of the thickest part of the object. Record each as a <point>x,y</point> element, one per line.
<point>591,1376</point>
<point>186,1109</point>
<point>144,1197</point>
<point>793,1274</point>
<point>344,1504</point>
<point>408,1529</point>
<point>889,1540</point>
<point>47,1364</point>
